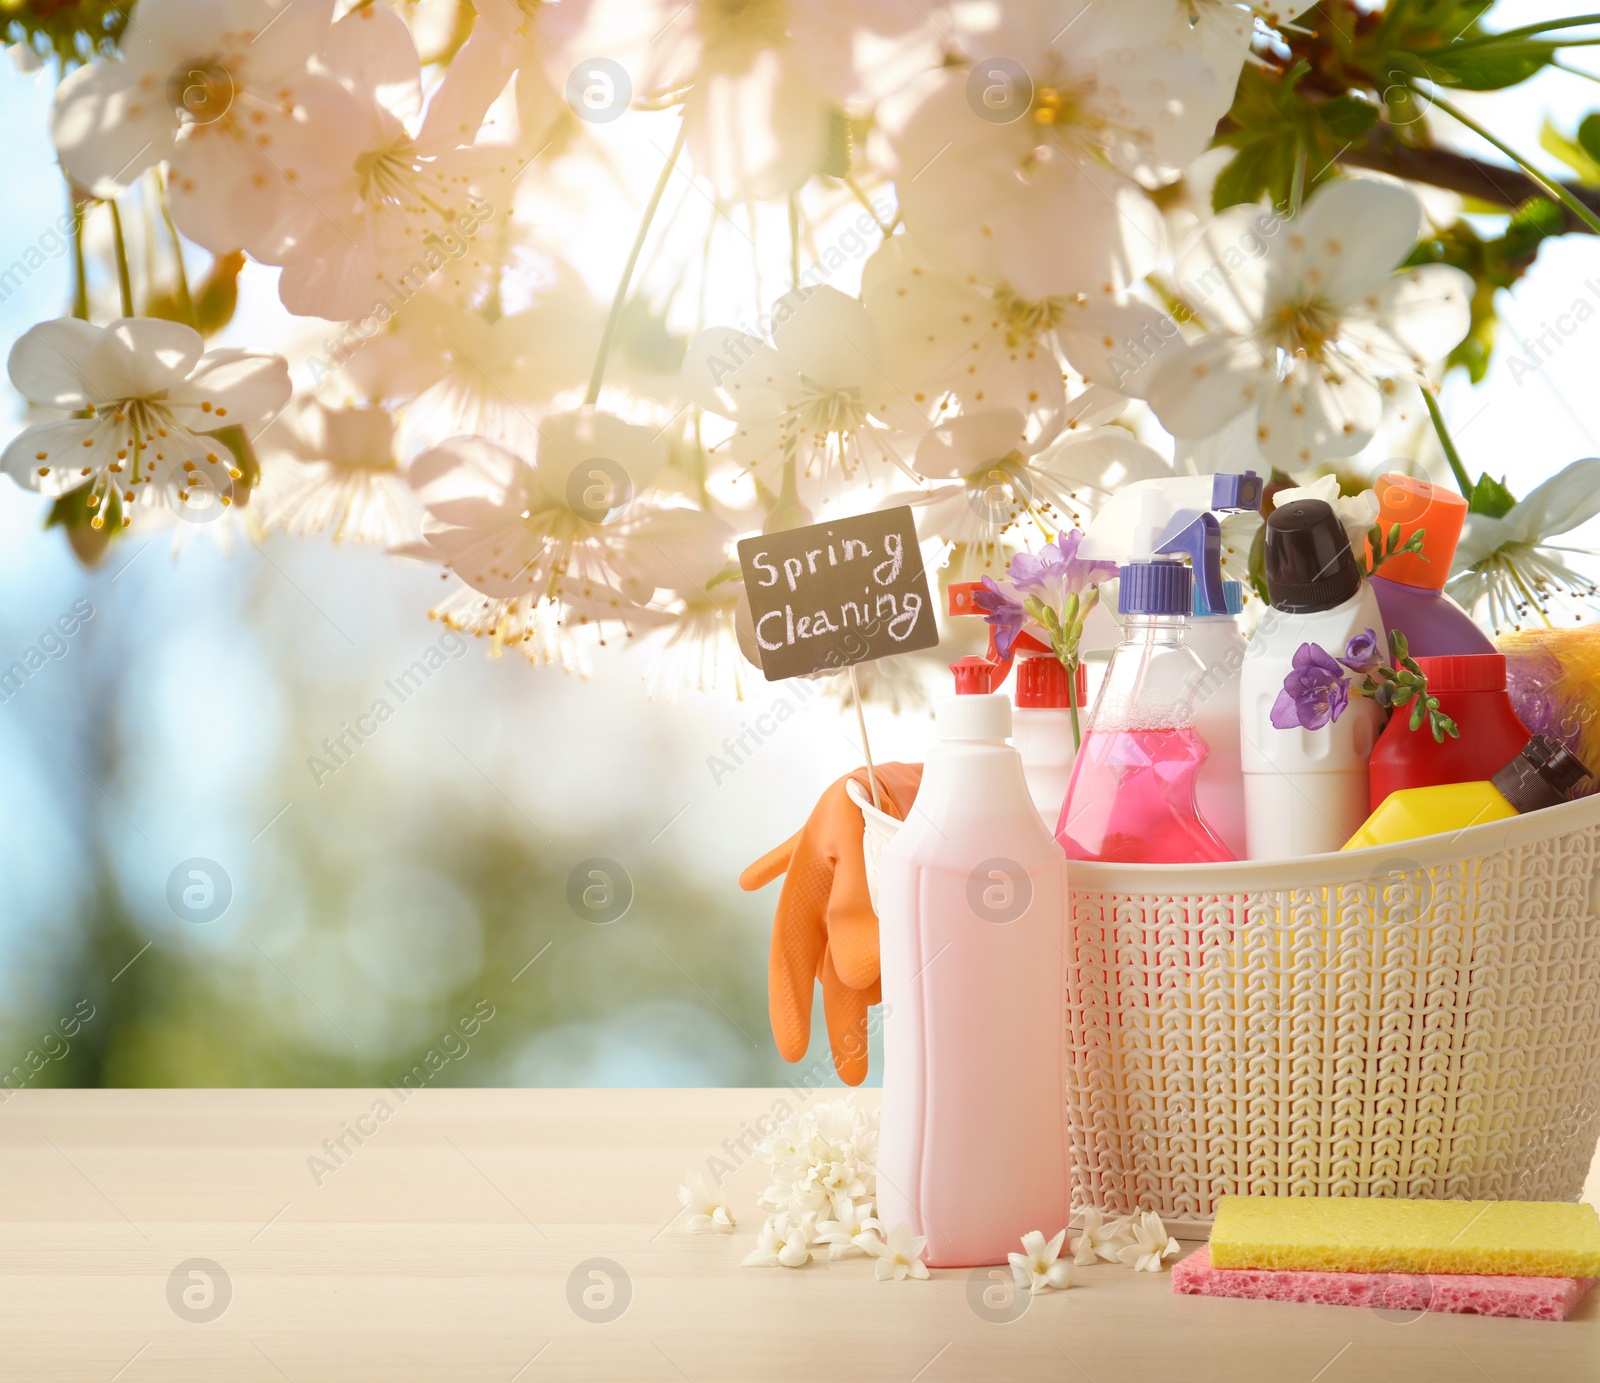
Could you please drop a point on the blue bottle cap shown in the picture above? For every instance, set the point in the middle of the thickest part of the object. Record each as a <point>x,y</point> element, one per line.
<point>1232,595</point>
<point>1155,588</point>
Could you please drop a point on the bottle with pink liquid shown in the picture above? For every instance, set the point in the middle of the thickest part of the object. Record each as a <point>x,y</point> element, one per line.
<point>1132,795</point>
<point>972,1149</point>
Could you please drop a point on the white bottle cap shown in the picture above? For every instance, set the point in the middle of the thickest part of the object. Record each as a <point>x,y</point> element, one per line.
<point>975,717</point>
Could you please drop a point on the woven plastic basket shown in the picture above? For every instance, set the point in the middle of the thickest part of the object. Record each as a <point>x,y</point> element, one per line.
<point>1421,1020</point>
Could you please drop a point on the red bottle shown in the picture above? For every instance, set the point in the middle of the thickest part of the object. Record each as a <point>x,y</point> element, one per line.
<point>1471,688</point>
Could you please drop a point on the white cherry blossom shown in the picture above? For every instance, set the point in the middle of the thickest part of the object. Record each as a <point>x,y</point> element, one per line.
<point>336,471</point>
<point>957,340</point>
<point>819,395</point>
<point>153,394</point>
<point>215,88</point>
<point>564,531</point>
<point>991,486</point>
<point>378,211</point>
<point>1035,180</point>
<point>761,80</point>
<point>1308,328</point>
<point>1507,568</point>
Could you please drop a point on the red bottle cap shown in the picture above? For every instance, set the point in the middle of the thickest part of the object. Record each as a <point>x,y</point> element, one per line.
<point>1414,504</point>
<point>1465,672</point>
<point>1042,683</point>
<point>974,676</point>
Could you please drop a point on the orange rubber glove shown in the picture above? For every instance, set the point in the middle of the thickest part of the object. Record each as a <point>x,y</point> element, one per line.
<point>825,928</point>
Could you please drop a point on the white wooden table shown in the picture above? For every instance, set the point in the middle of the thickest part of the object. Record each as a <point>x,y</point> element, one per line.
<point>445,1247</point>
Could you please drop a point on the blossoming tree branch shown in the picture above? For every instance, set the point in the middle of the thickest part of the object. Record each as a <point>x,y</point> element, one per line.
<point>564,299</point>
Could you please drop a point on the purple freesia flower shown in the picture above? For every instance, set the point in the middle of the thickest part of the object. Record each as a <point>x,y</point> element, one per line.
<point>1005,615</point>
<point>1058,571</point>
<point>1314,693</point>
<point>1364,652</point>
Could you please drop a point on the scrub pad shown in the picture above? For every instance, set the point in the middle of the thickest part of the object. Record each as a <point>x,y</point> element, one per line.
<point>1465,1294</point>
<point>1345,1234</point>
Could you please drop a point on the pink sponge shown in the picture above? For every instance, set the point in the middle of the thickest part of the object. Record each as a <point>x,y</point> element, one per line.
<point>1465,1294</point>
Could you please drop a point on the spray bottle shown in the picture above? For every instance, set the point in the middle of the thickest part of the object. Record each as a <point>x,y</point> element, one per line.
<point>1133,792</point>
<point>1042,717</point>
<point>972,940</point>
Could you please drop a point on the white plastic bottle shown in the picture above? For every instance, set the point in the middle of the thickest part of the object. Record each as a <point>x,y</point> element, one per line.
<point>1305,791</point>
<point>972,937</point>
<point>1219,643</point>
<point>1042,723</point>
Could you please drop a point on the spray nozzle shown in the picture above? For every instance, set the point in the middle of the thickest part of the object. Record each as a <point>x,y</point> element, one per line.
<point>1150,525</point>
<point>962,603</point>
<point>1201,542</point>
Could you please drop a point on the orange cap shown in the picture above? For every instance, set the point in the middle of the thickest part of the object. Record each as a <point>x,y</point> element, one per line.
<point>1415,504</point>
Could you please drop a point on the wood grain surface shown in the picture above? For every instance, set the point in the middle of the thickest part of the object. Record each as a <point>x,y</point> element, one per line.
<point>454,1242</point>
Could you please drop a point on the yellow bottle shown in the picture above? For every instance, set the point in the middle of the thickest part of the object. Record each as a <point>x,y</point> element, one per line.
<point>1540,776</point>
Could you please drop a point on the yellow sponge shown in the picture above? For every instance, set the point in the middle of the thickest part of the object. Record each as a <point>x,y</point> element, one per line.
<point>1343,1234</point>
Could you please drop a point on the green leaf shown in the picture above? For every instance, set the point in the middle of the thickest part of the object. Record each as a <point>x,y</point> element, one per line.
<point>1491,498</point>
<point>1492,66</point>
<point>1589,136</point>
<point>71,512</point>
<point>218,294</point>
<point>1533,221</point>
<point>1574,153</point>
<point>1349,116</point>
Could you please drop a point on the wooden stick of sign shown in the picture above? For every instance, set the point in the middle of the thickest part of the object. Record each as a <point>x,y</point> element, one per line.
<point>866,747</point>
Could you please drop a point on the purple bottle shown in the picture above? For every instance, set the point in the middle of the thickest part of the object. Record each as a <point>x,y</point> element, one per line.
<point>1410,589</point>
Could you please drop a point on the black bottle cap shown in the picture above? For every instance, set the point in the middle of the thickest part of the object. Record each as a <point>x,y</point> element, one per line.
<point>1308,559</point>
<point>1541,775</point>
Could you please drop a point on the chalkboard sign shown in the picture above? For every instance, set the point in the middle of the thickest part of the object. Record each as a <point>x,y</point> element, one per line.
<point>832,594</point>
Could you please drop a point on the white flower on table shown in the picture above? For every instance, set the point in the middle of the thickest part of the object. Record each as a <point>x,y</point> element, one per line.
<point>707,1206</point>
<point>1151,1243</point>
<point>899,1255</point>
<point>153,392</point>
<point>784,1241</point>
<point>1040,1267</point>
<point>1101,1238</point>
<point>846,1234</point>
<point>1309,322</point>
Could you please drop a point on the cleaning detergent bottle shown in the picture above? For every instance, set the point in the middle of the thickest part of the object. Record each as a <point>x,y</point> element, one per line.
<point>1410,585</point>
<point>1133,792</point>
<point>1541,775</point>
<point>1305,791</point>
<point>972,928</point>
<point>1471,688</point>
<point>1042,728</point>
<point>1219,643</point>
<point>1042,719</point>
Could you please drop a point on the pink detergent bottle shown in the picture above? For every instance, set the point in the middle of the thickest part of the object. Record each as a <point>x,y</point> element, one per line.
<point>972,928</point>
<point>1132,795</point>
